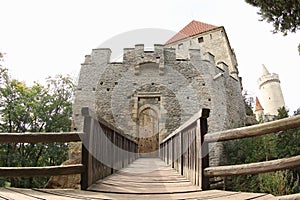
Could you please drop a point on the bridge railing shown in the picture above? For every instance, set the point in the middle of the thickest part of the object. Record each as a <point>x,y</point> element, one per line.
<point>183,149</point>
<point>252,131</point>
<point>40,138</point>
<point>186,149</point>
<point>105,149</point>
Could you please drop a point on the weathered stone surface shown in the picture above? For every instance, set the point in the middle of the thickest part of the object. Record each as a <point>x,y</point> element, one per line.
<point>173,88</point>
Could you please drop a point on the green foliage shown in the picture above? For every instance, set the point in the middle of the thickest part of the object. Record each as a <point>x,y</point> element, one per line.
<point>279,183</point>
<point>282,113</point>
<point>33,109</point>
<point>283,14</point>
<point>262,148</point>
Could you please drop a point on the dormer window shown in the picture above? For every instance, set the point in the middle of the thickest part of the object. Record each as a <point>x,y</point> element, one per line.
<point>180,46</point>
<point>200,40</point>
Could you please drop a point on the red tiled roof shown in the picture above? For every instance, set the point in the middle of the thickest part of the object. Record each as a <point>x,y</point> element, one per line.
<point>193,28</point>
<point>258,105</point>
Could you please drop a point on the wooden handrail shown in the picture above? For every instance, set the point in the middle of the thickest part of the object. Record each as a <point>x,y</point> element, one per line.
<point>253,168</point>
<point>168,148</point>
<point>202,113</point>
<point>104,146</point>
<point>86,112</point>
<point>40,137</point>
<point>255,130</point>
<point>41,171</point>
<point>185,151</point>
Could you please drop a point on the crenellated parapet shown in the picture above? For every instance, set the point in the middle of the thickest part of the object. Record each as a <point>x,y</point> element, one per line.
<point>272,77</point>
<point>172,88</point>
<point>160,56</point>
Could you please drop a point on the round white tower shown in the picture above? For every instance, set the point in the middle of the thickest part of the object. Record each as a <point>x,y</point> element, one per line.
<point>271,94</point>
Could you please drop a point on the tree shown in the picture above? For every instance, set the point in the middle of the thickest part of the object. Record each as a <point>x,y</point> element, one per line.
<point>34,109</point>
<point>283,14</point>
<point>262,148</point>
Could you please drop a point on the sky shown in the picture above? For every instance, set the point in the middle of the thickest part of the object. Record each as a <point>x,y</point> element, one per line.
<point>46,38</point>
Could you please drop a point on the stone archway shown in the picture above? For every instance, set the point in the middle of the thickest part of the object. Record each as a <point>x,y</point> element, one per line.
<point>148,132</point>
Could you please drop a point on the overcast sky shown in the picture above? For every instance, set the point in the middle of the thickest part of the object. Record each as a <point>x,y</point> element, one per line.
<point>42,38</point>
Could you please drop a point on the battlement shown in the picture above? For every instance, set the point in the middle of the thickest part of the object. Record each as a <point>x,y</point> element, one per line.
<point>139,54</point>
<point>268,78</point>
<point>159,55</point>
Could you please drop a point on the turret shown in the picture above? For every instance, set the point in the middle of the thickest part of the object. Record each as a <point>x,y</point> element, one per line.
<point>259,111</point>
<point>271,94</point>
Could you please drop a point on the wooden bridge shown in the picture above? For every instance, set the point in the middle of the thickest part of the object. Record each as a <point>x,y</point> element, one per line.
<point>112,169</point>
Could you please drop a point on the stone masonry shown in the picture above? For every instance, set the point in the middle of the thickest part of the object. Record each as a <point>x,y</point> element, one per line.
<point>180,87</point>
<point>151,93</point>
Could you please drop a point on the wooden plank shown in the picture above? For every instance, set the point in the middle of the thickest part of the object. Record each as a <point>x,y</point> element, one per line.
<point>41,171</point>
<point>40,137</point>
<point>51,194</point>
<point>135,189</point>
<point>253,168</point>
<point>289,197</point>
<point>71,194</point>
<point>11,195</point>
<point>143,179</point>
<point>198,155</point>
<point>255,130</point>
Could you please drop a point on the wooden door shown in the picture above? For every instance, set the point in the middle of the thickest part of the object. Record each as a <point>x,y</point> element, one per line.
<point>148,133</point>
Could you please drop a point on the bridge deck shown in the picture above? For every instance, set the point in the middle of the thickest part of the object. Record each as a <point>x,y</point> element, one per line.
<point>146,178</point>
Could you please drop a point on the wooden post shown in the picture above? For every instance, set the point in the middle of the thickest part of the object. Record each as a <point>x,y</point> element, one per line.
<point>198,155</point>
<point>112,164</point>
<point>86,176</point>
<point>172,151</point>
<point>181,153</point>
<point>205,150</point>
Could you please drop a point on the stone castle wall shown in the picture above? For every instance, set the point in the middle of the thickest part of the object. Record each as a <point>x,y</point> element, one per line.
<point>214,41</point>
<point>174,89</point>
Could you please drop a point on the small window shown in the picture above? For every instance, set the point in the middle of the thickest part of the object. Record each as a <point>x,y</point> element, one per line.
<point>200,39</point>
<point>94,89</point>
<point>180,46</point>
<point>210,35</point>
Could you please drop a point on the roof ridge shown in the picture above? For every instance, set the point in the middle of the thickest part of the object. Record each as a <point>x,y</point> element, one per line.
<point>193,28</point>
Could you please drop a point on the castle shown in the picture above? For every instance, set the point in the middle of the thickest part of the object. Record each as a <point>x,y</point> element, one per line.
<point>151,93</point>
<point>271,96</point>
